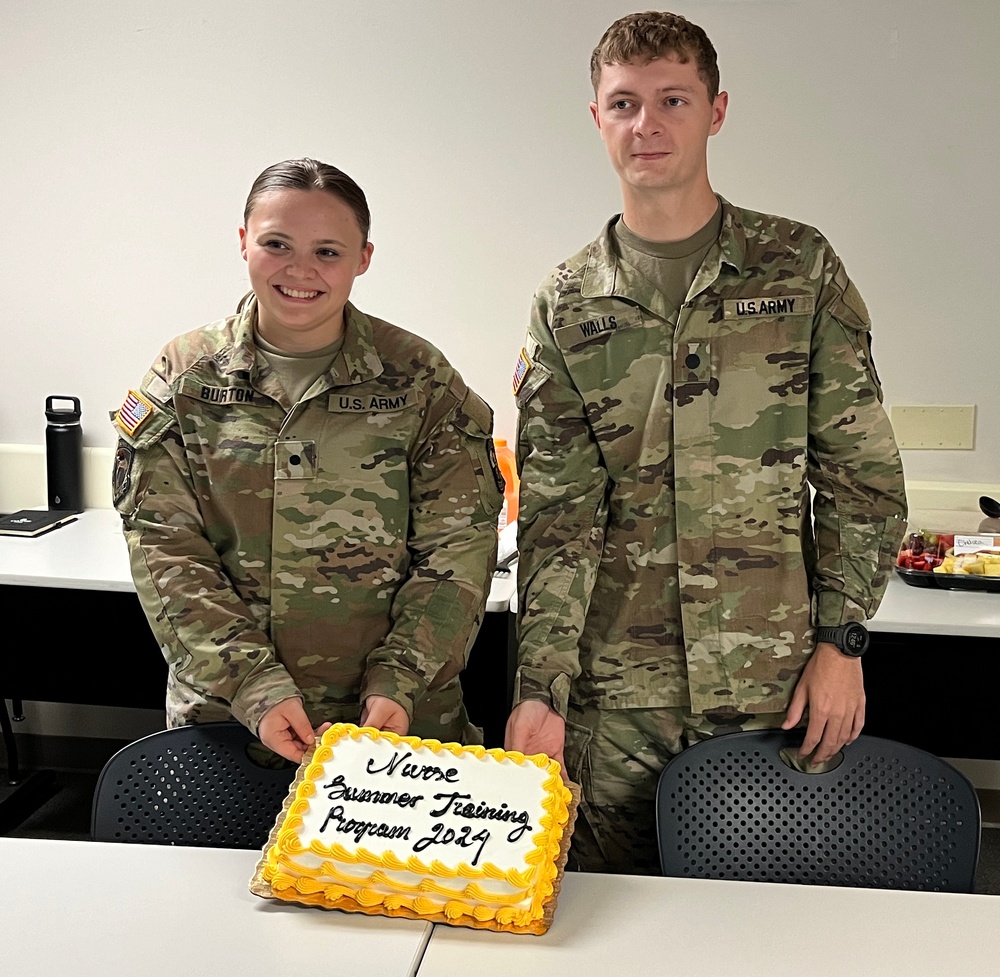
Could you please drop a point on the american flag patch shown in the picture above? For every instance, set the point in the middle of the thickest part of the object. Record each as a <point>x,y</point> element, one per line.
<point>521,369</point>
<point>134,412</point>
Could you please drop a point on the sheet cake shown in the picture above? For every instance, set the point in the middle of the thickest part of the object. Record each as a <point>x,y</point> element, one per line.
<point>399,826</point>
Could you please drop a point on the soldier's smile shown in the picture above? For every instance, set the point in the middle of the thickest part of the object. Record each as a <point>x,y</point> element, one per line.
<point>303,249</point>
<point>296,294</point>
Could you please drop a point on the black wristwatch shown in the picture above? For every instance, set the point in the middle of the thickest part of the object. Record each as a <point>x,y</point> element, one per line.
<point>850,639</point>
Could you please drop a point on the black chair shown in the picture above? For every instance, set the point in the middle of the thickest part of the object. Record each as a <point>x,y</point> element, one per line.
<point>889,816</point>
<point>193,785</point>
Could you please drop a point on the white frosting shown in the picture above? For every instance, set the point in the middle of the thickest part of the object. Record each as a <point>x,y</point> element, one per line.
<point>476,781</point>
<point>383,819</point>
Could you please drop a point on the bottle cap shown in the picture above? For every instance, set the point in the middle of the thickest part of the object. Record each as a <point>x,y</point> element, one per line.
<point>62,415</point>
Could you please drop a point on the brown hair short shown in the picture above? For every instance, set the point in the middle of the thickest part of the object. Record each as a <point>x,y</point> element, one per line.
<point>647,36</point>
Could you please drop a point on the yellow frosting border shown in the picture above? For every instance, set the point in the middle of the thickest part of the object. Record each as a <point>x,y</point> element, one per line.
<point>411,900</point>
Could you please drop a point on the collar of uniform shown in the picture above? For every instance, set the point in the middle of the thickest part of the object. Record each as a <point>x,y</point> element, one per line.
<point>607,275</point>
<point>611,274</point>
<point>601,272</point>
<point>244,354</point>
<point>732,237</point>
<point>356,362</point>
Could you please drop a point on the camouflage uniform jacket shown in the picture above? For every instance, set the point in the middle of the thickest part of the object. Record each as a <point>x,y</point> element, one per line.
<point>334,550</point>
<point>668,552</point>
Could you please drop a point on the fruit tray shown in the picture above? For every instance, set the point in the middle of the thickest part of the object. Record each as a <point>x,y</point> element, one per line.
<point>953,561</point>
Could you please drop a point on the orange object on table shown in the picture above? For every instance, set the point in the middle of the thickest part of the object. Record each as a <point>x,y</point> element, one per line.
<point>508,467</point>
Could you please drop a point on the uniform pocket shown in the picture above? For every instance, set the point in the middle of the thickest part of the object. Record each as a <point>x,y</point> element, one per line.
<point>577,754</point>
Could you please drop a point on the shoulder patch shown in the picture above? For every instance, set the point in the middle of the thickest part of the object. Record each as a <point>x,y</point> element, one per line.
<point>133,413</point>
<point>491,453</point>
<point>521,369</point>
<point>121,479</point>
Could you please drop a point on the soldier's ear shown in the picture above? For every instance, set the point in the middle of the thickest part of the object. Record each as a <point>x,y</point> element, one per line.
<point>596,114</point>
<point>243,242</point>
<point>366,258</point>
<point>719,108</point>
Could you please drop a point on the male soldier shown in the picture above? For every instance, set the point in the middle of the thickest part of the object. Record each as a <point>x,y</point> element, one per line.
<point>685,379</point>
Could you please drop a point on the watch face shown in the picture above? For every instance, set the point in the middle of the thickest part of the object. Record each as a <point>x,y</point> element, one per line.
<point>855,639</point>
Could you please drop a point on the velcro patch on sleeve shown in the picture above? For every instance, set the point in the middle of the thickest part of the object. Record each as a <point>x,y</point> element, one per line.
<point>521,370</point>
<point>476,416</point>
<point>133,413</point>
<point>121,479</point>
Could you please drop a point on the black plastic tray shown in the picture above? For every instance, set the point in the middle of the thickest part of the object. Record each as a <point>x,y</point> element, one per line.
<point>950,581</point>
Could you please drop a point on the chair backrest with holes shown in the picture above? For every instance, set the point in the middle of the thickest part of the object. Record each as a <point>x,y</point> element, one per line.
<point>888,816</point>
<point>193,785</point>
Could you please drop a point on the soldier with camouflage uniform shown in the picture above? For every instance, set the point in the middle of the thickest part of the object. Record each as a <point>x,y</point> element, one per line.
<point>685,380</point>
<point>309,494</point>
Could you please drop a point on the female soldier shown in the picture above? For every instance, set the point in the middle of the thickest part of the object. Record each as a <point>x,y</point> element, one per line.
<point>309,494</point>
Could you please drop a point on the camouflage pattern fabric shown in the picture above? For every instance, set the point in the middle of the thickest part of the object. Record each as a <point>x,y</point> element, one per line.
<point>333,549</point>
<point>670,554</point>
<point>616,756</point>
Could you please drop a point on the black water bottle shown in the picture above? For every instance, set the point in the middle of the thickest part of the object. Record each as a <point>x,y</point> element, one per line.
<point>64,454</point>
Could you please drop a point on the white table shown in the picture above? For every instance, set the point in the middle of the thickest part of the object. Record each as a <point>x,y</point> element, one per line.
<point>82,908</point>
<point>926,610</point>
<point>85,908</point>
<point>89,554</point>
<point>615,924</point>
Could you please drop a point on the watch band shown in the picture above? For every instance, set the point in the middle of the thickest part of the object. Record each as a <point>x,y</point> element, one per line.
<point>850,639</point>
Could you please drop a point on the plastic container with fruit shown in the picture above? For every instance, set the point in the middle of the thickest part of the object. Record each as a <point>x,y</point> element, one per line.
<point>954,561</point>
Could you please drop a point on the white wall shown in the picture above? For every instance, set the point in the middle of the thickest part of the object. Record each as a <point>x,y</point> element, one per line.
<point>132,130</point>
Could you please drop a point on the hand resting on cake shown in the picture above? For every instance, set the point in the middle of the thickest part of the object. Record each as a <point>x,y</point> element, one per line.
<point>286,729</point>
<point>384,714</point>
